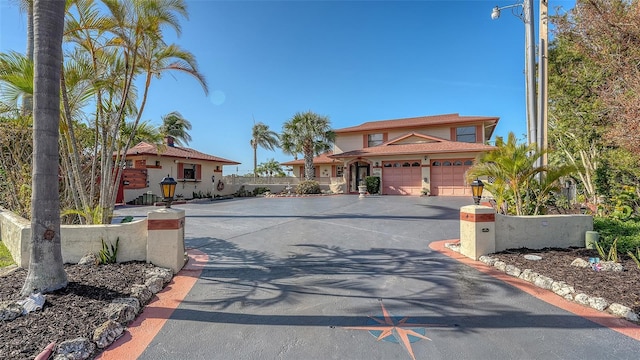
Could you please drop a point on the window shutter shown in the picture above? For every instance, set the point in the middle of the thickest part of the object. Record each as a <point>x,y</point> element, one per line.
<point>180,171</point>
<point>198,172</point>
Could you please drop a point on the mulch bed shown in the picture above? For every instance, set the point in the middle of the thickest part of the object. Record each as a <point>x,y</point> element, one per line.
<point>73,312</point>
<point>620,287</point>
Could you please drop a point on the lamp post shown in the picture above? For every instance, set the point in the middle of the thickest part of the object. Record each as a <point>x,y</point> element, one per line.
<point>530,61</point>
<point>476,188</point>
<point>168,186</point>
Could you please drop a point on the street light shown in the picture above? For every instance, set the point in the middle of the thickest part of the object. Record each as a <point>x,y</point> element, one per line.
<point>476,188</point>
<point>168,186</point>
<point>530,62</point>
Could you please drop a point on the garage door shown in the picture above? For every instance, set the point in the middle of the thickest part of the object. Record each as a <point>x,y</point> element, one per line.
<point>402,177</point>
<point>447,177</point>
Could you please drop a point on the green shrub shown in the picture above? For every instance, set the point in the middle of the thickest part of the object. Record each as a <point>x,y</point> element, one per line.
<point>242,192</point>
<point>5,256</point>
<point>308,187</point>
<point>108,254</point>
<point>373,184</point>
<point>260,190</point>
<point>610,229</point>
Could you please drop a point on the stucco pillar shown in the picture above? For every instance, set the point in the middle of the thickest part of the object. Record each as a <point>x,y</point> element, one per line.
<point>165,240</point>
<point>477,231</point>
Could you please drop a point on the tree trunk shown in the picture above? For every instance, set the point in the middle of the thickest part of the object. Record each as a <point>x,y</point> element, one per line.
<point>46,271</point>
<point>27,100</point>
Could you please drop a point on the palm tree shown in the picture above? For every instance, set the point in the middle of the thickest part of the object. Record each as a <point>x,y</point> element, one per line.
<point>309,134</point>
<point>46,271</point>
<point>175,126</point>
<point>270,168</point>
<point>263,137</point>
<point>517,180</point>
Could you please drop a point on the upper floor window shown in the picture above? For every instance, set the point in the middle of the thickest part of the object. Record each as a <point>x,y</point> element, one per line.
<point>375,140</point>
<point>466,134</point>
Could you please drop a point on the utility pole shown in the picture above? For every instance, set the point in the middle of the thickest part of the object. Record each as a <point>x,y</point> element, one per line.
<point>543,79</point>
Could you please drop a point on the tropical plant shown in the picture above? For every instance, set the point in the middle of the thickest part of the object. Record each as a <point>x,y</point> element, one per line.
<point>308,134</point>
<point>517,182</point>
<point>270,168</point>
<point>46,272</point>
<point>263,137</point>
<point>174,125</point>
<point>608,255</point>
<point>635,257</point>
<point>109,253</point>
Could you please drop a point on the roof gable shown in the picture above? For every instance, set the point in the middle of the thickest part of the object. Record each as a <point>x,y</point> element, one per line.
<point>413,138</point>
<point>414,122</point>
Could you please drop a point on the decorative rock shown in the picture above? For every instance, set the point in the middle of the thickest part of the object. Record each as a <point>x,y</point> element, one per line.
<point>563,289</point>
<point>500,265</point>
<point>10,310</point>
<point>155,284</point>
<point>107,333</point>
<point>122,313</point>
<point>623,311</point>
<point>76,349</point>
<point>512,270</point>
<point>89,260</point>
<point>131,301</point>
<point>528,275</point>
<point>142,293</point>
<point>164,273</point>
<point>582,299</point>
<point>611,266</point>
<point>544,282</point>
<point>533,257</point>
<point>598,303</point>
<point>487,260</point>
<point>579,262</point>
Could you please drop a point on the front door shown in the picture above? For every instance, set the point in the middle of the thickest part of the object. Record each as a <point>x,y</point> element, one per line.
<point>359,171</point>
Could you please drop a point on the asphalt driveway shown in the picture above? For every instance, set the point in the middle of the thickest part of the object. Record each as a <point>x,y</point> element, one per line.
<point>339,277</point>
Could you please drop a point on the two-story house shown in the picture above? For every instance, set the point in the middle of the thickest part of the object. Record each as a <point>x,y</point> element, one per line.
<point>411,156</point>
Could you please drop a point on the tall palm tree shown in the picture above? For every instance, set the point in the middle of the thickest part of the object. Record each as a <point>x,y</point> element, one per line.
<point>174,125</point>
<point>46,271</point>
<point>263,137</point>
<point>307,133</point>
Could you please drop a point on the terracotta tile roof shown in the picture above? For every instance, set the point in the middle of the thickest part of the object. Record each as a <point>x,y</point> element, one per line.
<point>416,148</point>
<point>320,159</point>
<point>416,122</point>
<point>144,148</point>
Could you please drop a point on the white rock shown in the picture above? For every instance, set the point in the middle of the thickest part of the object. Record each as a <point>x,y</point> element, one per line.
<point>533,257</point>
<point>107,333</point>
<point>579,262</point>
<point>122,313</point>
<point>487,260</point>
<point>76,349</point>
<point>89,260</point>
<point>512,270</point>
<point>611,266</point>
<point>598,303</point>
<point>164,273</point>
<point>528,275</point>
<point>623,311</point>
<point>582,299</point>
<point>142,293</point>
<point>10,310</point>
<point>131,301</point>
<point>500,265</point>
<point>544,282</point>
<point>155,284</point>
<point>561,288</point>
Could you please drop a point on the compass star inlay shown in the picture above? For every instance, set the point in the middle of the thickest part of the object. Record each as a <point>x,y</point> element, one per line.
<point>399,331</point>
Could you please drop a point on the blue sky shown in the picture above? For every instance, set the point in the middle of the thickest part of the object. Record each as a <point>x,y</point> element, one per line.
<point>353,61</point>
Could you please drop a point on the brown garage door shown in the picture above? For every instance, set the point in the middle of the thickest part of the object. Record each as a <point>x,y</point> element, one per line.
<point>447,177</point>
<point>402,177</point>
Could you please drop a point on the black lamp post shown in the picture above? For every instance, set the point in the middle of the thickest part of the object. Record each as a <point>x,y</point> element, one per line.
<point>476,188</point>
<point>168,186</point>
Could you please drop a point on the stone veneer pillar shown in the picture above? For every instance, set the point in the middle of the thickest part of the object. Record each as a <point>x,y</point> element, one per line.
<point>477,231</point>
<point>165,239</point>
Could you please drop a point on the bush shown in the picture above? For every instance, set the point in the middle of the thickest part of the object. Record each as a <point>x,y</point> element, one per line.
<point>261,190</point>
<point>373,184</point>
<point>308,187</point>
<point>610,229</point>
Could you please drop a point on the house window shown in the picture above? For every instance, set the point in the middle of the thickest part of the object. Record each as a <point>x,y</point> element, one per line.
<point>466,134</point>
<point>189,172</point>
<point>339,171</point>
<point>375,139</point>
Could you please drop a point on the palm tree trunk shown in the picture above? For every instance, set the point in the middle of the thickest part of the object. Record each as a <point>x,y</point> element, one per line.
<point>46,271</point>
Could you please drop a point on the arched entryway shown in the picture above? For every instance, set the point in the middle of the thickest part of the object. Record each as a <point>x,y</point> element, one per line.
<point>358,171</point>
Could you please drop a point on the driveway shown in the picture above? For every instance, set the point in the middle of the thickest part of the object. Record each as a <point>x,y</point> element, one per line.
<point>339,277</point>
